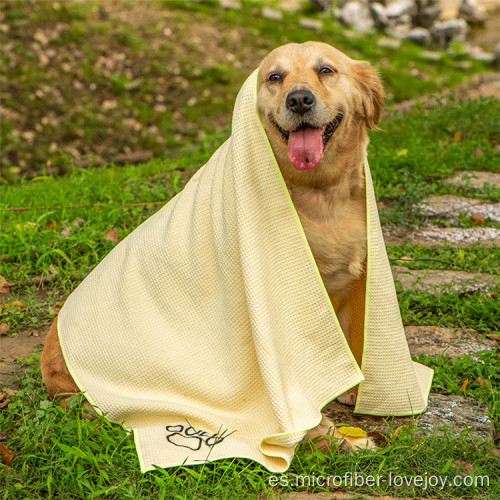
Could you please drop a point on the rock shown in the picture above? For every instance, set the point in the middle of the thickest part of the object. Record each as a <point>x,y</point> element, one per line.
<point>400,8</point>
<point>478,54</point>
<point>453,29</point>
<point>429,55</point>
<point>323,5</point>
<point>450,207</point>
<point>437,281</point>
<point>357,16</point>
<point>420,36</point>
<point>426,17</point>
<point>450,341</point>
<point>388,43</point>
<point>275,15</point>
<point>472,12</point>
<point>230,4</point>
<point>433,235</point>
<point>424,4</point>
<point>475,180</point>
<point>20,346</point>
<point>399,27</point>
<point>377,11</point>
<point>455,413</point>
<point>311,24</point>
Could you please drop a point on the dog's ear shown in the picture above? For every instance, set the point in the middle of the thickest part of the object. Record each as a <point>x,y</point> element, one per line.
<point>372,93</point>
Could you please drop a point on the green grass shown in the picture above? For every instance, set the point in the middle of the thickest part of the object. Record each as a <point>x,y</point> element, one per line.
<point>476,310</point>
<point>473,259</point>
<point>59,455</point>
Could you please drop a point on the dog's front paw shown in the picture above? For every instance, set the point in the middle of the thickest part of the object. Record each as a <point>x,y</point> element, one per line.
<point>348,398</point>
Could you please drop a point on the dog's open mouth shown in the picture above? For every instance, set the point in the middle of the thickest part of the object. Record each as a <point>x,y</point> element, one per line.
<point>306,144</point>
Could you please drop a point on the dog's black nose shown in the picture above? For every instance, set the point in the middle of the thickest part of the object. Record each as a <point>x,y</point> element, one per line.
<point>300,101</point>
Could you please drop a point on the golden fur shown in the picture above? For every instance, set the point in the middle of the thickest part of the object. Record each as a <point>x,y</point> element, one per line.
<point>330,199</point>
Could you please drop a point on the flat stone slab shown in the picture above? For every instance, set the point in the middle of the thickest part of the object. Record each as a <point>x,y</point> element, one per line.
<point>434,235</point>
<point>456,413</point>
<point>438,281</point>
<point>450,207</point>
<point>451,341</point>
<point>474,179</point>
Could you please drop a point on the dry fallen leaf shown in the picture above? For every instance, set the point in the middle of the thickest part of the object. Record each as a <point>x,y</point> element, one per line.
<point>55,308</point>
<point>493,336</point>
<point>4,403</point>
<point>457,136</point>
<point>351,432</point>
<point>4,285</point>
<point>112,235</point>
<point>7,455</point>
<point>16,303</point>
<point>464,385</point>
<point>3,436</point>
<point>4,328</point>
<point>495,452</point>
<point>66,230</point>
<point>477,217</point>
<point>78,222</point>
<point>463,465</point>
<point>34,333</point>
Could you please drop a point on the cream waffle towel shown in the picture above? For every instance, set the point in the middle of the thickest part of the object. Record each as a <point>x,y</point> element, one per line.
<point>208,330</point>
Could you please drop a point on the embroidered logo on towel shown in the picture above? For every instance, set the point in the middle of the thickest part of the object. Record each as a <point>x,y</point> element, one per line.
<point>189,437</point>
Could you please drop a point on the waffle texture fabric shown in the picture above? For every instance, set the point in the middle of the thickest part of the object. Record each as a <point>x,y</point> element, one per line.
<point>208,330</point>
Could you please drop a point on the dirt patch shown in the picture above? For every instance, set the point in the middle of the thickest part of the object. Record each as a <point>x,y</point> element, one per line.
<point>19,346</point>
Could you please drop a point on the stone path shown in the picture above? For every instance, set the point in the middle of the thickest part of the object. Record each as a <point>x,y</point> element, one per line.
<point>449,208</point>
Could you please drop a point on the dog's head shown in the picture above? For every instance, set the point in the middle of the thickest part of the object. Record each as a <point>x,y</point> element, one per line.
<point>313,101</point>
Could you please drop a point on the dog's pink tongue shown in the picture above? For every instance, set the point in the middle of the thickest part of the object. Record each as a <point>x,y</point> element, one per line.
<point>305,148</point>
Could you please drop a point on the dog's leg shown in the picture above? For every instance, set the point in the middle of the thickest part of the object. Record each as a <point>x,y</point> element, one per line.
<point>344,312</point>
<point>59,382</point>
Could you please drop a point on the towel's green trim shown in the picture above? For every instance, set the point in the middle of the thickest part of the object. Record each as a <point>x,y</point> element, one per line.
<point>304,240</point>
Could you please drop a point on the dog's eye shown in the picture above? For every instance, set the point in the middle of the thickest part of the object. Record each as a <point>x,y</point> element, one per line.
<point>274,77</point>
<point>325,70</point>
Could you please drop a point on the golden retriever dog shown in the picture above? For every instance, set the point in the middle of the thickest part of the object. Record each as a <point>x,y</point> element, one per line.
<point>315,104</point>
